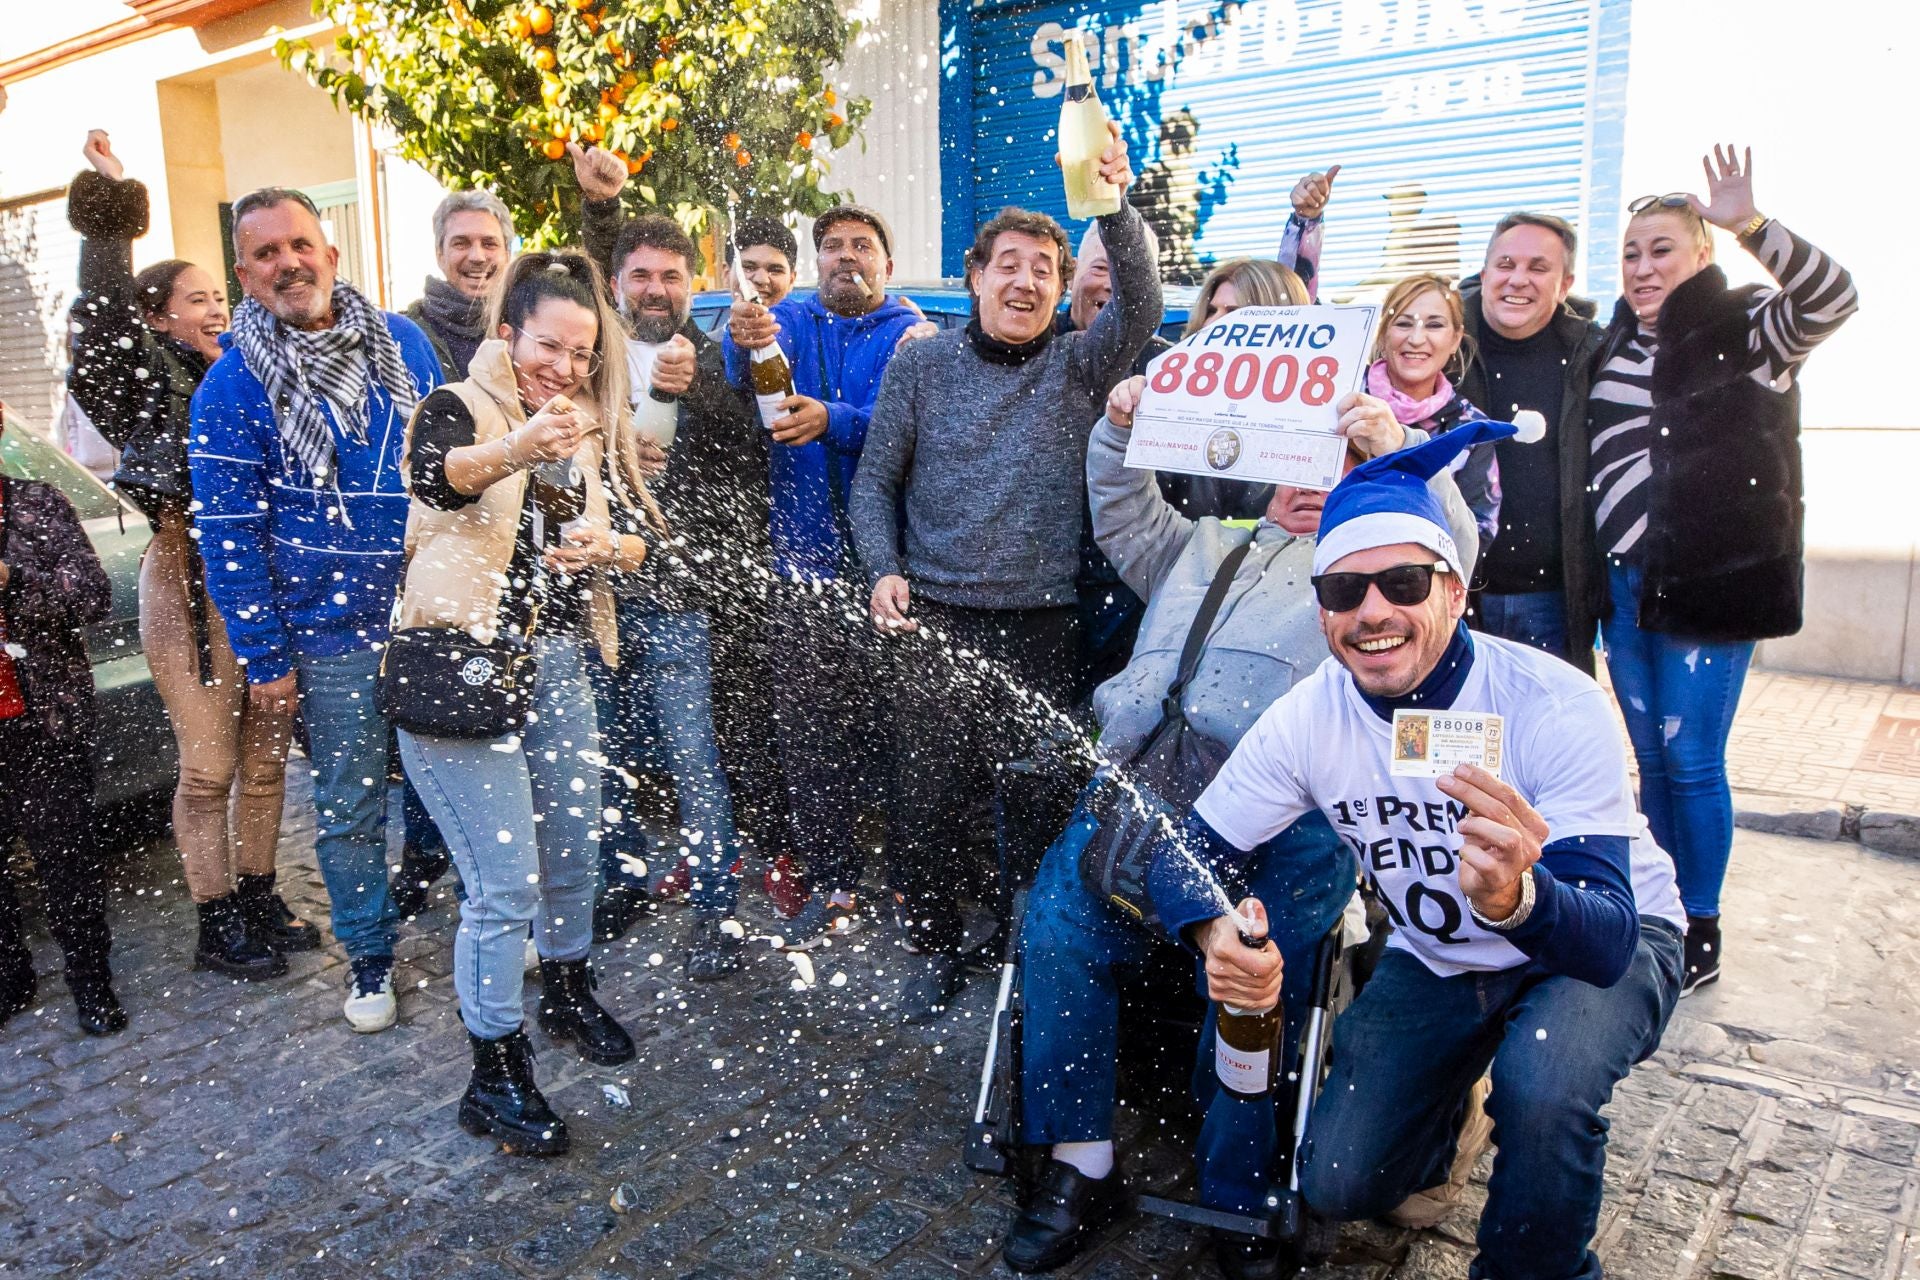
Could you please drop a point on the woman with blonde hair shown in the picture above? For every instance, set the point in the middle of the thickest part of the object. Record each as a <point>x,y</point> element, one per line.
<point>1421,344</point>
<point>526,494</point>
<point>1244,282</point>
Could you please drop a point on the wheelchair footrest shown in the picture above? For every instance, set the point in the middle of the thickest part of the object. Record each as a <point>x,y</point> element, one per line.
<point>983,1154</point>
<point>1195,1215</point>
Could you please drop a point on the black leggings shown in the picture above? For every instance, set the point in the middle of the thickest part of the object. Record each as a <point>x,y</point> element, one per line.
<point>49,803</point>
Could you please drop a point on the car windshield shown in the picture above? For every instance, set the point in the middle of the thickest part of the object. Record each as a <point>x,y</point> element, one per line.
<point>24,456</point>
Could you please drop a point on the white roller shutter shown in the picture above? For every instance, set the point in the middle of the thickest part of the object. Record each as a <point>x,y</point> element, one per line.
<point>39,265</point>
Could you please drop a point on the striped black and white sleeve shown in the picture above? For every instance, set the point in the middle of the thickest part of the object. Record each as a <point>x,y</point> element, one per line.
<point>1816,295</point>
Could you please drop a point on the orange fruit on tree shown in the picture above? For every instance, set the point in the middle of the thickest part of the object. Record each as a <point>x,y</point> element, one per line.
<point>544,59</point>
<point>608,113</point>
<point>835,120</point>
<point>733,141</point>
<point>743,157</point>
<point>518,27</point>
<point>554,148</point>
<point>804,138</point>
<point>560,130</point>
<point>669,125</point>
<point>540,19</point>
<point>591,132</point>
<point>581,6</point>
<point>829,97</point>
<point>551,90</point>
<point>634,165</point>
<point>667,43</point>
<point>591,21</point>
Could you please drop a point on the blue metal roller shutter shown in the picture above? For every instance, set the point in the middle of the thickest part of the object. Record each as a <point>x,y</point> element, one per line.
<point>1444,115</point>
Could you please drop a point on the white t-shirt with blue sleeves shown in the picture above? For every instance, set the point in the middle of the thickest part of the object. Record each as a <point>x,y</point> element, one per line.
<point>1321,746</point>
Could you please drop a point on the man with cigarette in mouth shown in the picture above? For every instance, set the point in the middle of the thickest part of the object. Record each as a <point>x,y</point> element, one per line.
<point>838,341</point>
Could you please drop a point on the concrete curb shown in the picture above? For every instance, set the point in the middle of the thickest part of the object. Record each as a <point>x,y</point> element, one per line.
<point>1888,832</point>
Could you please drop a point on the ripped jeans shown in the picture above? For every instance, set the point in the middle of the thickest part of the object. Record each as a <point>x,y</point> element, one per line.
<point>1678,697</point>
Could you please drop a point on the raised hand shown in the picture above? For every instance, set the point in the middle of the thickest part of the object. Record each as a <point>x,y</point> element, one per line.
<point>599,172</point>
<point>99,153</point>
<point>1729,202</point>
<point>1368,422</point>
<point>1311,193</point>
<point>674,366</point>
<point>751,325</point>
<point>1123,400</point>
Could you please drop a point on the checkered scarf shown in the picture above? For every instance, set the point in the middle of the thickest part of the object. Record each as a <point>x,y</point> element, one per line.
<point>298,368</point>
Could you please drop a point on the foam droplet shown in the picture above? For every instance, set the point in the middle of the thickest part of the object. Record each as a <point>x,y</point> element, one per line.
<point>1530,427</point>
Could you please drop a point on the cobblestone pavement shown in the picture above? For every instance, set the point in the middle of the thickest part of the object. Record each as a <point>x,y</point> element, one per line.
<point>774,1132</point>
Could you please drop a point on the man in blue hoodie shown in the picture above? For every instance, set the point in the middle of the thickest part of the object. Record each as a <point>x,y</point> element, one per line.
<point>300,510</point>
<point>837,341</point>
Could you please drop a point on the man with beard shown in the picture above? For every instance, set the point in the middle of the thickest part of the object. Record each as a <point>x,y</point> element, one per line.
<point>700,693</point>
<point>295,455</point>
<point>838,342</point>
<point>472,239</point>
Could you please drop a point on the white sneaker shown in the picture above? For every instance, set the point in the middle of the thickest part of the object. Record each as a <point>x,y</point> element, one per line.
<point>530,962</point>
<point>370,1004</point>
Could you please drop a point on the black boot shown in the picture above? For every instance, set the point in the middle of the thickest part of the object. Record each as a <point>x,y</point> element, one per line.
<point>1245,1257</point>
<point>568,1012</point>
<point>623,904</point>
<point>1702,953</point>
<point>418,871</point>
<point>713,952</point>
<point>502,1099</point>
<point>227,947</point>
<point>1064,1208</point>
<point>270,920</point>
<point>95,1004</point>
<point>17,983</point>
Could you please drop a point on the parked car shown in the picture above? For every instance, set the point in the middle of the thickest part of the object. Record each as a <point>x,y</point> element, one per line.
<point>134,755</point>
<point>945,302</point>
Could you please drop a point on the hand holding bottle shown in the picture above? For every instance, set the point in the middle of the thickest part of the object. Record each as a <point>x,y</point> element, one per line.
<point>1238,975</point>
<point>751,325</point>
<point>550,435</point>
<point>674,367</point>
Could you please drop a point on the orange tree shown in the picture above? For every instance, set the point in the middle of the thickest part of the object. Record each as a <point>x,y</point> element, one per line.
<point>699,98</point>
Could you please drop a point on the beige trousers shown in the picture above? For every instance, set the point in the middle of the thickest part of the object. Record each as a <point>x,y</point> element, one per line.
<point>233,758</point>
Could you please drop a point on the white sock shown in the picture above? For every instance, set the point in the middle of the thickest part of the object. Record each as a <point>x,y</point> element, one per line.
<point>1095,1159</point>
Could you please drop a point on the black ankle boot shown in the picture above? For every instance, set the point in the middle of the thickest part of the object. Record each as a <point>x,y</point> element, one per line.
<point>270,920</point>
<point>418,871</point>
<point>227,946</point>
<point>623,904</point>
<point>1702,952</point>
<point>568,1012</point>
<point>95,1004</point>
<point>502,1099</point>
<point>1065,1207</point>
<point>17,984</point>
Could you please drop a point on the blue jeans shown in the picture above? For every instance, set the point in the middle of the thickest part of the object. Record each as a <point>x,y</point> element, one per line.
<point>1408,1050</point>
<point>1071,943</point>
<point>1536,618</point>
<point>657,711</point>
<point>521,819</point>
<point>1678,697</point>
<point>347,745</point>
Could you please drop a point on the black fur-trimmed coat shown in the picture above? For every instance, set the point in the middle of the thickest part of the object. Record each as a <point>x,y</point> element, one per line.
<point>1723,549</point>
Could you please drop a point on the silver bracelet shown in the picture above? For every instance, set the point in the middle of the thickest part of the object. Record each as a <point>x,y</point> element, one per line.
<point>1520,913</point>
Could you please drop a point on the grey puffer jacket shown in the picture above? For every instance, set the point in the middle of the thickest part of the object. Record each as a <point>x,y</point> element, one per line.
<point>1267,634</point>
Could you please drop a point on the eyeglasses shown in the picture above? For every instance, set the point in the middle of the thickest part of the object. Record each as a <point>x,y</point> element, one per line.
<point>585,361</point>
<point>1404,584</point>
<point>1672,200</point>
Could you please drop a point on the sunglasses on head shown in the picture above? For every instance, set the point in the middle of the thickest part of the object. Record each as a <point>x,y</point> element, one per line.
<point>1404,584</point>
<point>1672,200</point>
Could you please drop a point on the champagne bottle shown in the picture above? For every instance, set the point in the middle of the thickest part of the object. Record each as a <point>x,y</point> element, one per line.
<point>772,382</point>
<point>559,495</point>
<point>656,416</point>
<point>1083,137</point>
<point>1246,1048</point>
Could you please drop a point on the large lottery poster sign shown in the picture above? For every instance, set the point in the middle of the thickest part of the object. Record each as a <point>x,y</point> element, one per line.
<point>1252,396</point>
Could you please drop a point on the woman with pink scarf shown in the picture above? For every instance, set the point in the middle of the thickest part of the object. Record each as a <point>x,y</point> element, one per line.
<point>1422,332</point>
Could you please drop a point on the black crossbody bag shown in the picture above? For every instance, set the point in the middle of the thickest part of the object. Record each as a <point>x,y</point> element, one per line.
<point>442,683</point>
<point>1162,778</point>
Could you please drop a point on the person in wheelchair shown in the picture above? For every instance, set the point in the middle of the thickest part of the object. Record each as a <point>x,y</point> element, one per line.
<point>1538,929</point>
<point>1262,636</point>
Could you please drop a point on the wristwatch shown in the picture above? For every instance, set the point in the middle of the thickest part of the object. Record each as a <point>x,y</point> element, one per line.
<point>1520,913</point>
<point>1752,228</point>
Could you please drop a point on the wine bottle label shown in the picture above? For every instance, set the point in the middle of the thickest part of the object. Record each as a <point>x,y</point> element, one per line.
<point>770,410</point>
<point>1243,1071</point>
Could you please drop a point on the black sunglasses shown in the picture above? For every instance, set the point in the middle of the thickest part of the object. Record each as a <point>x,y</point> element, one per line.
<point>1404,584</point>
<point>1672,200</point>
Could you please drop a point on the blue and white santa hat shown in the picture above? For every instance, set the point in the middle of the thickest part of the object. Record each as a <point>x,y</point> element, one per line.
<point>1386,500</point>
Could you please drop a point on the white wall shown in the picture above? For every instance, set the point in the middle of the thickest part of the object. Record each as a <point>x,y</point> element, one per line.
<point>1823,98</point>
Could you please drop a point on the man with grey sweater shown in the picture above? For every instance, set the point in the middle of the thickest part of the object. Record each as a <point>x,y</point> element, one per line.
<point>979,440</point>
